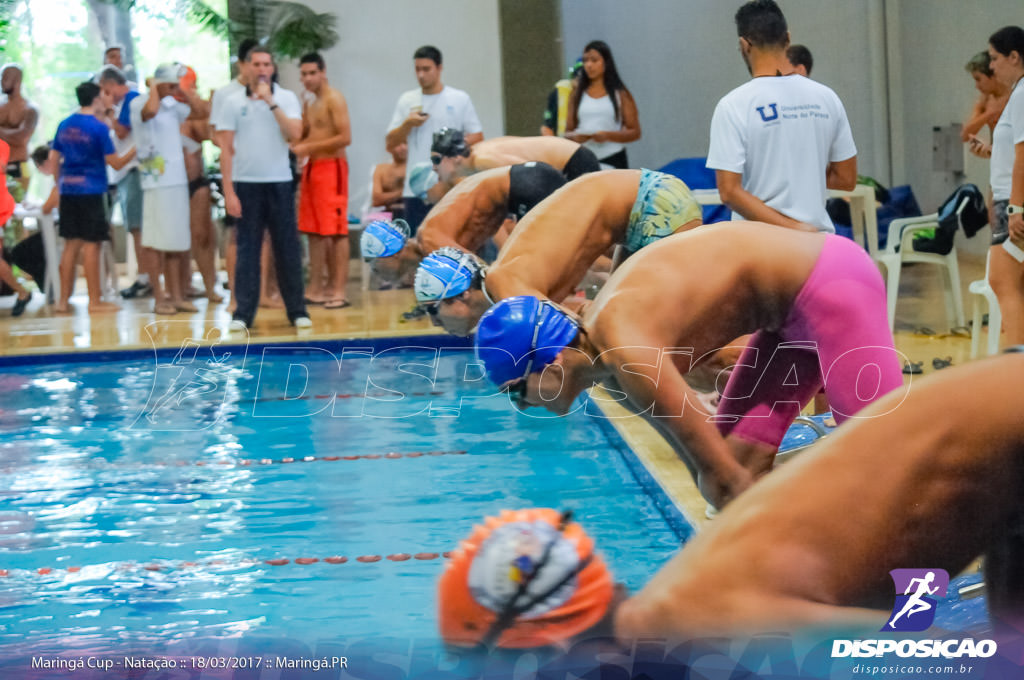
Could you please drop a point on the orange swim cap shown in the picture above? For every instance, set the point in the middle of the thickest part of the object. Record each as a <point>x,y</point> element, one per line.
<point>527,578</point>
<point>188,81</point>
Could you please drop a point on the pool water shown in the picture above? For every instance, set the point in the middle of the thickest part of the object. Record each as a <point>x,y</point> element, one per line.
<point>294,494</point>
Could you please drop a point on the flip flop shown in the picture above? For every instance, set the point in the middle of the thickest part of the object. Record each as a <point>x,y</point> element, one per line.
<point>913,367</point>
<point>20,304</point>
<point>337,304</point>
<point>938,363</point>
<point>311,301</point>
<point>960,331</point>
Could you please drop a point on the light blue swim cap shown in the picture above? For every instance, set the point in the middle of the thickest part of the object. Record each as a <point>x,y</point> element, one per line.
<point>421,178</point>
<point>445,273</point>
<point>383,239</point>
<point>521,335</point>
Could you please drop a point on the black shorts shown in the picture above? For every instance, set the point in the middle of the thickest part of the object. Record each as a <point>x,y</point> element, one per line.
<point>84,216</point>
<point>580,163</point>
<point>617,160</point>
<point>529,184</point>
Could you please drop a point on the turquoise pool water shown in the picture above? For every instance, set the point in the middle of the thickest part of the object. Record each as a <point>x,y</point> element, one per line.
<point>144,500</point>
<point>287,503</point>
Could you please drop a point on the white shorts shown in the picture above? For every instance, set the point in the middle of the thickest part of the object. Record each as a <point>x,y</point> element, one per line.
<point>165,219</point>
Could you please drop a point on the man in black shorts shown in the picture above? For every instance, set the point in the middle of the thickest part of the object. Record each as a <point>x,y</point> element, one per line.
<point>82,148</point>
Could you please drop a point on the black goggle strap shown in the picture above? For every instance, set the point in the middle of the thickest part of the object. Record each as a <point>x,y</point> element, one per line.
<point>507,616</point>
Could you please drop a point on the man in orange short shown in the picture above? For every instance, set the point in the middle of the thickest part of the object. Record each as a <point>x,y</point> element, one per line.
<point>323,198</point>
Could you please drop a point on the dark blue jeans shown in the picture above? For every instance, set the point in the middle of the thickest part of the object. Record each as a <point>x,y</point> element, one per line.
<point>270,205</point>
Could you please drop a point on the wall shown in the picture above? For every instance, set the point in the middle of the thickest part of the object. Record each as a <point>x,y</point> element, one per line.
<point>372,65</point>
<point>681,57</point>
<point>939,36</point>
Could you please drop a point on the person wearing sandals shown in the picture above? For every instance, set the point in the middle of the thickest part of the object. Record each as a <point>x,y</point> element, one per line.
<point>323,193</point>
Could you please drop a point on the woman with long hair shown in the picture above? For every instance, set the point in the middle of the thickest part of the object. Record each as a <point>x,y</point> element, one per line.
<point>1006,272</point>
<point>602,112</point>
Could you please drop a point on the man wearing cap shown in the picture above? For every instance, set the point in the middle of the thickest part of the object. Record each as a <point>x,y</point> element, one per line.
<point>455,160</point>
<point>816,307</point>
<point>422,112</point>
<point>156,130</point>
<point>475,211</point>
<point>550,251</point>
<point>254,131</point>
<point>779,141</point>
<point>809,547</point>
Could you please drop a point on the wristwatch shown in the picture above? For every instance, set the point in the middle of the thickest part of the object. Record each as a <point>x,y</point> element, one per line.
<point>1014,209</point>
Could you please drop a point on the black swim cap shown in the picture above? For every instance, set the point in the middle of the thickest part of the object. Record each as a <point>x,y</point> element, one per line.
<point>449,142</point>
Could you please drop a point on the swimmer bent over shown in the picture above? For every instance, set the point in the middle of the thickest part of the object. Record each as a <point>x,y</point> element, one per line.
<point>554,245</point>
<point>814,302</point>
<point>811,546</point>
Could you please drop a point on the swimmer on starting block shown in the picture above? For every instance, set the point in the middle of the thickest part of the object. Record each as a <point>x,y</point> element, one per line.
<point>814,302</point>
<point>551,249</point>
<point>809,547</point>
<point>455,160</point>
<point>466,217</point>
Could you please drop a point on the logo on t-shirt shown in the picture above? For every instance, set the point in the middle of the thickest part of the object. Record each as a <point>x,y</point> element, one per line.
<point>768,118</point>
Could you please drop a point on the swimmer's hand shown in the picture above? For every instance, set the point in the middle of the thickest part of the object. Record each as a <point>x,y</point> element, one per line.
<point>719,492</point>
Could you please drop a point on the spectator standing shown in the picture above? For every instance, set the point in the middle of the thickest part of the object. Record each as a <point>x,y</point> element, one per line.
<point>128,179</point>
<point>194,131</point>
<point>323,197</point>
<point>992,97</point>
<point>800,59</point>
<point>253,131</point>
<point>418,115</point>
<point>18,120</point>
<point>602,113</point>
<point>1006,271</point>
<point>6,274</point>
<point>779,141</point>
<point>156,128</point>
<point>238,84</point>
<point>81,149</point>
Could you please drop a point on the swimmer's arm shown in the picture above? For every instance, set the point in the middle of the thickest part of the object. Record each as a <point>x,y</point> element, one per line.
<point>842,175</point>
<point>504,231</point>
<point>659,393</point>
<point>730,188</point>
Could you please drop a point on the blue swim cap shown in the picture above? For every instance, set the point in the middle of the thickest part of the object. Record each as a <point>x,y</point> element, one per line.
<point>531,332</point>
<point>383,239</point>
<point>445,273</point>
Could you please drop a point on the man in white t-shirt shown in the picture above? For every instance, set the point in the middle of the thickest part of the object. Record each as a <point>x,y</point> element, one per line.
<point>418,115</point>
<point>254,130</point>
<point>780,141</point>
<point>156,130</point>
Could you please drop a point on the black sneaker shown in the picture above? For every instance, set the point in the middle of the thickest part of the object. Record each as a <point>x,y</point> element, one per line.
<point>137,289</point>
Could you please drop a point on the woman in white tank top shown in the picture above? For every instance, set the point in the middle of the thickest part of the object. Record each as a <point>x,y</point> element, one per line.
<point>602,113</point>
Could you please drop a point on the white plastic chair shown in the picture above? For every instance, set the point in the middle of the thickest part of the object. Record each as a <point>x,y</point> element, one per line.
<point>982,291</point>
<point>899,250</point>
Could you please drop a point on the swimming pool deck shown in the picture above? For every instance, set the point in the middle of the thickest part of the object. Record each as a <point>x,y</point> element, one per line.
<point>376,314</point>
